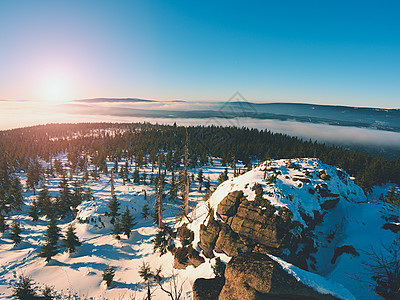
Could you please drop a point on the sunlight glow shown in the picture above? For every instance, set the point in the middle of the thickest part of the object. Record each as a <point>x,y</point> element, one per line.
<point>55,89</point>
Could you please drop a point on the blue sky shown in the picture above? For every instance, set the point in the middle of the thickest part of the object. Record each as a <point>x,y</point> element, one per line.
<point>324,52</point>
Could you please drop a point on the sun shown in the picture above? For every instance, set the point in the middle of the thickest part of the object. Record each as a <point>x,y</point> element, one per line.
<point>55,89</point>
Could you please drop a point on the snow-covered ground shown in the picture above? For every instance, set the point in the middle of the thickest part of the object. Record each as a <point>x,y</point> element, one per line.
<point>80,273</point>
<point>357,218</point>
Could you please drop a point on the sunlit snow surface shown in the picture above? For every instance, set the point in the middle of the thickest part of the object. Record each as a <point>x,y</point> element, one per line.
<point>358,221</point>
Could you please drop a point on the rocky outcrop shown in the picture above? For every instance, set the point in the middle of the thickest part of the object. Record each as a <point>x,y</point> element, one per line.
<point>186,256</point>
<point>262,224</point>
<point>246,225</point>
<point>393,227</point>
<point>209,235</point>
<point>229,205</point>
<point>229,242</point>
<point>256,276</point>
<point>207,289</point>
<point>330,204</point>
<point>349,249</point>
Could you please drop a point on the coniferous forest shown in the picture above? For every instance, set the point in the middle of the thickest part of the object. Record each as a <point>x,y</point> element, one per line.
<point>21,148</point>
<point>92,189</point>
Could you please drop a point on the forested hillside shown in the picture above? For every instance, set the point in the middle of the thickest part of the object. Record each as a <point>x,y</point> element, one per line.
<point>146,142</point>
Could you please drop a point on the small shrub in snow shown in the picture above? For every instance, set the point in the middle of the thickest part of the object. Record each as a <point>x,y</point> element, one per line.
<point>24,288</point>
<point>258,189</point>
<point>223,176</point>
<point>48,292</point>
<point>272,179</point>
<point>108,275</point>
<point>384,267</point>
<point>163,240</point>
<point>186,235</point>
<point>145,211</point>
<point>219,268</point>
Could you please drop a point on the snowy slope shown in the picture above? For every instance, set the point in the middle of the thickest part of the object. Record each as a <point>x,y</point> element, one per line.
<point>358,221</point>
<point>354,221</point>
<point>80,273</point>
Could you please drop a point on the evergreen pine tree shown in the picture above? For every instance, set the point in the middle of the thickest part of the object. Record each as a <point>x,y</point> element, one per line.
<point>85,177</point>
<point>200,179</point>
<point>126,172</point>
<point>53,231</point>
<point>146,274</point>
<point>77,191</point>
<point>127,222</point>
<point>71,240</point>
<point>24,289</point>
<point>143,177</point>
<point>108,275</point>
<point>136,176</point>
<point>64,200</point>
<point>223,176</point>
<point>34,211</point>
<point>173,188</point>
<point>48,251</point>
<point>113,206</point>
<point>3,224</point>
<point>207,184</point>
<point>145,211</point>
<point>34,175</point>
<point>48,293</point>
<point>58,167</point>
<point>15,194</point>
<point>44,203</point>
<point>163,239</point>
<point>15,233</point>
<point>88,195</point>
<point>116,231</point>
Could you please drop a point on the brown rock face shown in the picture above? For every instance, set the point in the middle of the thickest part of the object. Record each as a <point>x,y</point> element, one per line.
<point>256,276</point>
<point>246,225</point>
<point>228,206</point>
<point>260,224</point>
<point>185,256</point>
<point>229,242</point>
<point>207,289</point>
<point>329,204</point>
<point>209,235</point>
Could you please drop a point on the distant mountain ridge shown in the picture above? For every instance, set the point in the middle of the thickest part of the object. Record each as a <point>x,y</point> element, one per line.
<point>361,117</point>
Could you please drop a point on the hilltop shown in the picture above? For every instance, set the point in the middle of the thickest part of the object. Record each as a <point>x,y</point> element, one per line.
<point>322,206</point>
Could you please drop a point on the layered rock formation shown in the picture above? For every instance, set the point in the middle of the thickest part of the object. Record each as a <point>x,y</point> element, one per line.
<point>254,276</point>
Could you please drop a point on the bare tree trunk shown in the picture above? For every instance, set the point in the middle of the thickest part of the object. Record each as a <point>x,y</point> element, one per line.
<point>160,206</point>
<point>186,180</point>
<point>112,182</point>
<point>159,195</point>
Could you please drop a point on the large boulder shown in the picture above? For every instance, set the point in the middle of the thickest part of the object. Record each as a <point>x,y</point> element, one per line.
<point>229,205</point>
<point>209,235</point>
<point>207,289</point>
<point>229,242</point>
<point>254,276</point>
<point>247,225</point>
<point>187,256</point>
<point>262,224</point>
